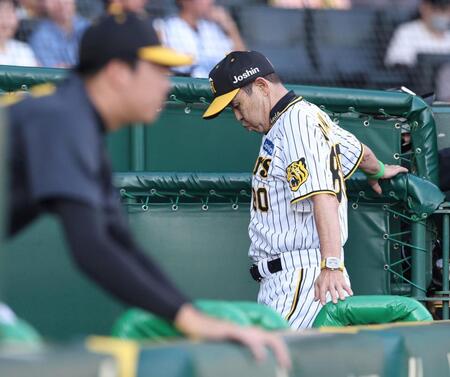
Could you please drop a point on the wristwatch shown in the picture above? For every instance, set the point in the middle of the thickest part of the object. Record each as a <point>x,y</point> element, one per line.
<point>332,263</point>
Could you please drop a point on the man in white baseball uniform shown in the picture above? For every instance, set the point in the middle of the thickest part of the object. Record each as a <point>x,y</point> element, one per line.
<point>298,224</point>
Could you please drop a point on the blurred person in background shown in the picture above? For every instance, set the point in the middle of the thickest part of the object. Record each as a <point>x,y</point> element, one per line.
<point>203,30</point>
<point>55,40</point>
<point>428,35</point>
<point>12,52</point>
<point>380,4</point>
<point>136,6</point>
<point>30,9</point>
<point>315,4</point>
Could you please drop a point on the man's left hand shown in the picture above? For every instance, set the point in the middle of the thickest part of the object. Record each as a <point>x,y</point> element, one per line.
<point>389,172</point>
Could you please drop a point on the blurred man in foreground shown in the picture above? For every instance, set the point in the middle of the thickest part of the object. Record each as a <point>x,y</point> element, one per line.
<point>59,164</point>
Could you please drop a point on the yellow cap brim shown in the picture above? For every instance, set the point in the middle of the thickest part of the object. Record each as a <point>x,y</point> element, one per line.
<point>219,103</point>
<point>164,56</point>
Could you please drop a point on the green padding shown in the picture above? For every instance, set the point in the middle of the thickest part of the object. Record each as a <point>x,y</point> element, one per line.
<point>427,347</point>
<point>18,331</point>
<point>14,78</point>
<point>224,310</point>
<point>204,252</point>
<point>170,182</point>
<point>119,147</point>
<point>141,325</point>
<point>414,108</point>
<point>263,316</point>
<point>421,197</point>
<point>313,355</point>
<point>55,361</point>
<point>44,285</point>
<point>243,313</point>
<point>442,118</point>
<point>365,310</point>
<point>366,252</point>
<point>180,141</point>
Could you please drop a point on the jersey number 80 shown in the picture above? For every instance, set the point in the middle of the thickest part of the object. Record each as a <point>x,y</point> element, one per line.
<point>260,199</point>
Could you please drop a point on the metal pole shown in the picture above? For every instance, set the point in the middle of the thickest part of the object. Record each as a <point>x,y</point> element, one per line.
<point>418,259</point>
<point>137,148</point>
<point>445,256</point>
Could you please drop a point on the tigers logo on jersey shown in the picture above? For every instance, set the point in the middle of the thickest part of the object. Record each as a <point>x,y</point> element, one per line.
<point>297,174</point>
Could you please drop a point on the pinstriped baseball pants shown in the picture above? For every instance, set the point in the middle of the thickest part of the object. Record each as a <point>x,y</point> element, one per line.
<point>290,292</point>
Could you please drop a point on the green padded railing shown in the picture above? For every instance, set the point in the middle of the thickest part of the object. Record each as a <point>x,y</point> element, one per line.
<point>369,310</point>
<point>141,325</point>
<point>410,110</point>
<point>420,197</point>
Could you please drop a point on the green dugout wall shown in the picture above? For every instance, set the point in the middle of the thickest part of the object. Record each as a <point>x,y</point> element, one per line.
<point>195,223</point>
<point>181,141</point>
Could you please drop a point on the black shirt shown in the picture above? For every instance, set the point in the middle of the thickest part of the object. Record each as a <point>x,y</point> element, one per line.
<point>57,150</point>
<point>58,163</point>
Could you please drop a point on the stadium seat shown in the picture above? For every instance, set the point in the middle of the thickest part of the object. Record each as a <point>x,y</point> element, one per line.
<point>161,8</point>
<point>426,70</point>
<point>280,34</point>
<point>266,25</point>
<point>387,21</point>
<point>344,43</point>
<point>292,64</point>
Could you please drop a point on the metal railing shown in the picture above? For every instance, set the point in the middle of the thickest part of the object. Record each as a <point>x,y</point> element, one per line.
<point>444,295</point>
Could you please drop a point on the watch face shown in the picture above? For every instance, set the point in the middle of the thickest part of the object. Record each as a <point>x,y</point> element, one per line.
<point>333,263</point>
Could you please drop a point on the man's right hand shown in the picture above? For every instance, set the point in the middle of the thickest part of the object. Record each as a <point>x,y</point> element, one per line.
<point>200,326</point>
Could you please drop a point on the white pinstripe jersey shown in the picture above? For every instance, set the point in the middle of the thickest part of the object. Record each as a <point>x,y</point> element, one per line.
<point>303,154</point>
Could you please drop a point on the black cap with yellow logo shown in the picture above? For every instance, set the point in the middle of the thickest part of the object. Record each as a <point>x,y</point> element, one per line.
<point>126,36</point>
<point>236,70</point>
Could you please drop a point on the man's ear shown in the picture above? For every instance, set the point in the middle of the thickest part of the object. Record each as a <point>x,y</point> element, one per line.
<point>263,85</point>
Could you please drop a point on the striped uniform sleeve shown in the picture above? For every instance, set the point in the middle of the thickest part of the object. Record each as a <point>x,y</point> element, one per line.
<point>351,151</point>
<point>306,156</point>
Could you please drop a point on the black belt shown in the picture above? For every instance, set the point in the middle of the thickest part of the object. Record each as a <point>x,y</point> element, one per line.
<point>273,266</point>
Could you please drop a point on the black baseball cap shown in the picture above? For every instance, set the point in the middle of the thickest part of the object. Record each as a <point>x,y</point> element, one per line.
<point>126,36</point>
<point>235,71</point>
